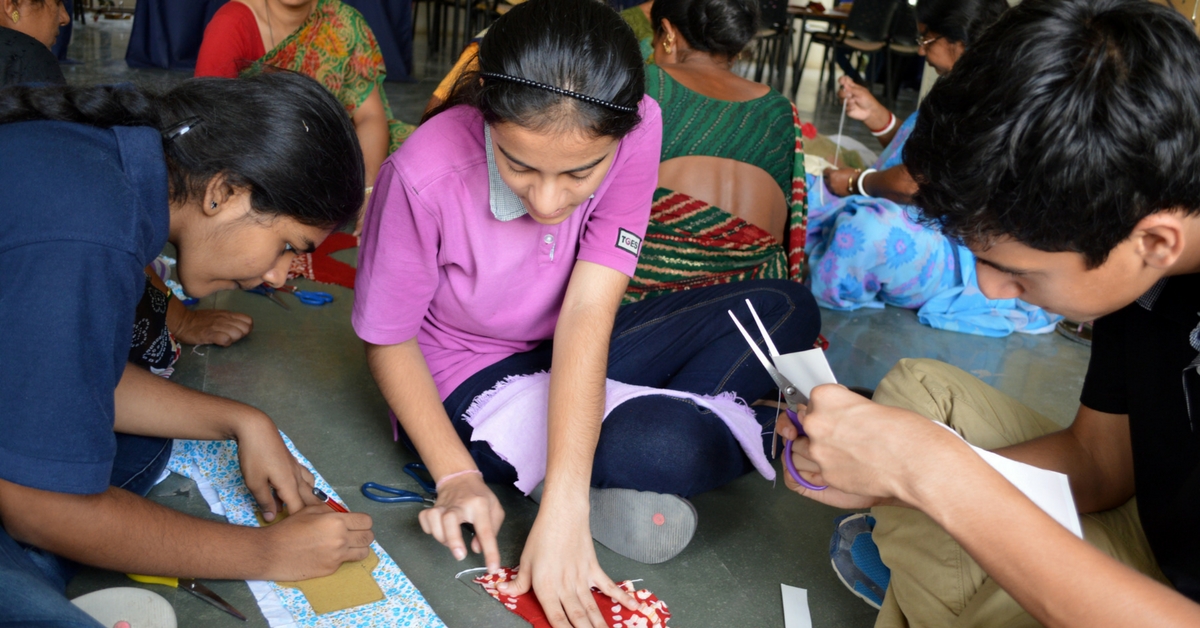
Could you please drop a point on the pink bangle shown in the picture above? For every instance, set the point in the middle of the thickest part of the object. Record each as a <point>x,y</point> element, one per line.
<point>446,478</point>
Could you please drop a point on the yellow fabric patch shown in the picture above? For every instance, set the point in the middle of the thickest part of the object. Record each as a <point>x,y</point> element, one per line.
<point>350,586</point>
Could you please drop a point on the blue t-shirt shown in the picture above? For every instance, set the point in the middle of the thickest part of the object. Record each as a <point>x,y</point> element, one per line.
<point>82,211</point>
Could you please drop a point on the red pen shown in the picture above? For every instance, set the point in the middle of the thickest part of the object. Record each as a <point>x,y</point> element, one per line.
<point>329,501</point>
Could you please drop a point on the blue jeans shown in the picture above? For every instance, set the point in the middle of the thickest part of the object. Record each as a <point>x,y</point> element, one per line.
<point>683,341</point>
<point>33,581</point>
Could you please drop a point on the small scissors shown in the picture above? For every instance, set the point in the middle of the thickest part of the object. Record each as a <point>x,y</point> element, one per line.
<point>193,587</point>
<point>791,394</point>
<point>392,495</point>
<point>269,292</point>
<point>308,297</point>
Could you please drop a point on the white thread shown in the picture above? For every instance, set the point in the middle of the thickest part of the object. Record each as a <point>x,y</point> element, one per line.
<point>466,571</point>
<point>838,151</point>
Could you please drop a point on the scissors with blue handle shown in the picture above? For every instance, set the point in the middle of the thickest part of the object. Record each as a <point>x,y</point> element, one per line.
<point>791,395</point>
<point>308,297</point>
<point>391,495</point>
<point>269,292</point>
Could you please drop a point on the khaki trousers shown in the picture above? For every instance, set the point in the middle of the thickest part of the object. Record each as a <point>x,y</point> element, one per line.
<point>934,582</point>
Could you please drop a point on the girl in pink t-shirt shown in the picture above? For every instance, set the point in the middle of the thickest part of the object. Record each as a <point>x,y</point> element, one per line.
<point>499,241</point>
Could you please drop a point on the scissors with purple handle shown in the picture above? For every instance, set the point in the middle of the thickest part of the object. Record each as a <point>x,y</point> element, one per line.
<point>791,395</point>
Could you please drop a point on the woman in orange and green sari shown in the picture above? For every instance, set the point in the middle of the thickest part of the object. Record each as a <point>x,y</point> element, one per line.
<point>324,39</point>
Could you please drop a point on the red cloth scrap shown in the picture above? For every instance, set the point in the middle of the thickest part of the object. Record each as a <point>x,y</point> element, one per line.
<point>651,613</point>
<point>319,266</point>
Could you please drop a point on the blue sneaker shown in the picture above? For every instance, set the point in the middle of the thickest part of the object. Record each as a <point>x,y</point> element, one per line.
<point>856,559</point>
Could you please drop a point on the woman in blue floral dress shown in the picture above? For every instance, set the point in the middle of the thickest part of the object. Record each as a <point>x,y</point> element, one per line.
<point>866,244</point>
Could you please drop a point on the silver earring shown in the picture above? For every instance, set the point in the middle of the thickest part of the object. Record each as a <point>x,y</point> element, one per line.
<point>213,204</point>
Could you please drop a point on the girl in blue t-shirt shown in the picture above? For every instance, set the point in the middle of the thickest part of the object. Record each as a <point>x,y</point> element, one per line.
<point>238,176</point>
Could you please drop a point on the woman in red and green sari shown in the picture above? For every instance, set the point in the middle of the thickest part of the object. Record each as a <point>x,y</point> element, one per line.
<point>730,203</point>
<point>324,39</point>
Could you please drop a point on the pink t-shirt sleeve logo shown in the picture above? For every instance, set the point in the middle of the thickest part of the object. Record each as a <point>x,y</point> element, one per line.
<point>628,241</point>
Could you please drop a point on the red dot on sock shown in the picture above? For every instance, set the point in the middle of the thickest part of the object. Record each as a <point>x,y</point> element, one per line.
<point>658,519</point>
<point>121,624</point>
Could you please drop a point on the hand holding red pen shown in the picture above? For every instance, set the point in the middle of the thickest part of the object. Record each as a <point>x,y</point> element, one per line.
<point>329,501</point>
<point>315,542</point>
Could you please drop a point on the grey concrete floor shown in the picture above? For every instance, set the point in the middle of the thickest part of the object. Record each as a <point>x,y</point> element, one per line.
<point>306,368</point>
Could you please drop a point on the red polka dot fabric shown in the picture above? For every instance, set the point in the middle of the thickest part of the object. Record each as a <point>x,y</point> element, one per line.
<point>651,613</point>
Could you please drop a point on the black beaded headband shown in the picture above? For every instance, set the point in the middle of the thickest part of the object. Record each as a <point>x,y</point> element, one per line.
<point>558,90</point>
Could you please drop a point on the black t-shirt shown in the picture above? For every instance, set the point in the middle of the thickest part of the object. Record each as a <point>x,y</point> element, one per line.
<point>82,211</point>
<point>24,59</point>
<point>1137,366</point>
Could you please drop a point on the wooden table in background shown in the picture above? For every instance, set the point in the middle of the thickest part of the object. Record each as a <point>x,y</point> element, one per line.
<point>836,20</point>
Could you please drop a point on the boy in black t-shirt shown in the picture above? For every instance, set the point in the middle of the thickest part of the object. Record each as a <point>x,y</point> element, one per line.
<point>1064,150</point>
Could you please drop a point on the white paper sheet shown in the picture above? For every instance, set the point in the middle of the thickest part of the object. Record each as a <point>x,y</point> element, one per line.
<point>805,369</point>
<point>1050,490</point>
<point>795,607</point>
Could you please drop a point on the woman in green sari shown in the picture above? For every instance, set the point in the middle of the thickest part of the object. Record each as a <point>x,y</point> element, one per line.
<point>730,204</point>
<point>324,39</point>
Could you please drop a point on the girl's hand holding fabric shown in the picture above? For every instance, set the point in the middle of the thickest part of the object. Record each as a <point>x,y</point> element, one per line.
<point>267,464</point>
<point>559,563</point>
<point>466,499</point>
<point>861,105</point>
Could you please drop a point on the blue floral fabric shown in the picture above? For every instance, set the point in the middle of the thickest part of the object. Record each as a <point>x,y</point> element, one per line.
<point>869,252</point>
<point>215,464</point>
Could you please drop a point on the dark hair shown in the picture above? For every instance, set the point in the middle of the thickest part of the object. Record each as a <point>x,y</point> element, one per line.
<point>279,134</point>
<point>581,46</point>
<point>960,20</point>
<point>1063,126</point>
<point>720,27</point>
